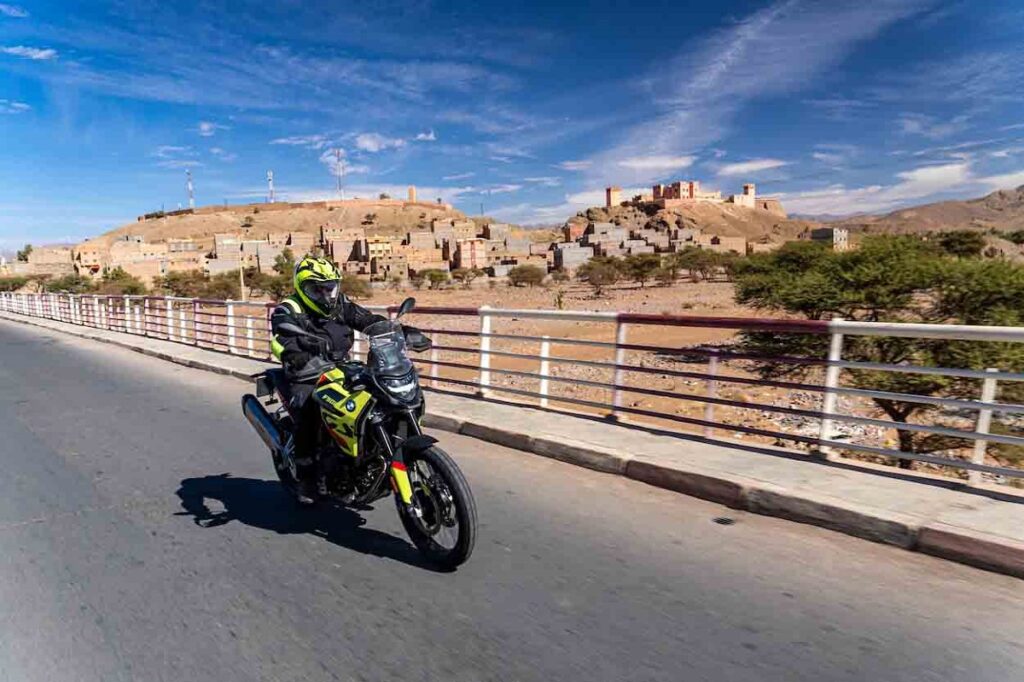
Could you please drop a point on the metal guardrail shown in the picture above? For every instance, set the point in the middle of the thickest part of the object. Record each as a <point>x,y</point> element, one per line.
<point>466,359</point>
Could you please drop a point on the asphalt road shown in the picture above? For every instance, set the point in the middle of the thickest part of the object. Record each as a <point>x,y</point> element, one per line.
<point>143,537</point>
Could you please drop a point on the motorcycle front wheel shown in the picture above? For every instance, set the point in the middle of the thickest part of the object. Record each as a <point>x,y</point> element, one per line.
<point>445,531</point>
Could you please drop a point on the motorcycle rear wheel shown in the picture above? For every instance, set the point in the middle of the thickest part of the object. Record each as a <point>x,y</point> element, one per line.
<point>446,531</point>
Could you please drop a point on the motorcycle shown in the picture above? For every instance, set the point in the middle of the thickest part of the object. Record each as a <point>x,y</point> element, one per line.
<point>370,436</point>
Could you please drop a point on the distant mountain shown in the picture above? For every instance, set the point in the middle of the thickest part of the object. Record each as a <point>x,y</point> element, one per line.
<point>1002,210</point>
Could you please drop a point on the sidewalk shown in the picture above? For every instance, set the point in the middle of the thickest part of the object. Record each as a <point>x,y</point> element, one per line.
<point>984,528</point>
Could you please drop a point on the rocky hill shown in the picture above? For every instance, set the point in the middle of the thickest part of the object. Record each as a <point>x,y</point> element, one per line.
<point>387,217</point>
<point>725,220</point>
<point>1002,211</point>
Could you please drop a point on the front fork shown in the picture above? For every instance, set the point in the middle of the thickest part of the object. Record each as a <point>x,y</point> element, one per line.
<point>399,475</point>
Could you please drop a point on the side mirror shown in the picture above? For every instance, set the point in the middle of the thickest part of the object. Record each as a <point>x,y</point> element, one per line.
<point>406,307</point>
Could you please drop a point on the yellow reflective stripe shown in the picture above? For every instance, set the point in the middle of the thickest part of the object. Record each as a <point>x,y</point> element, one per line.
<point>276,348</point>
<point>294,305</point>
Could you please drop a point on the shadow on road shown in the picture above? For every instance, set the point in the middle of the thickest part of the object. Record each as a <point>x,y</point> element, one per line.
<point>266,505</point>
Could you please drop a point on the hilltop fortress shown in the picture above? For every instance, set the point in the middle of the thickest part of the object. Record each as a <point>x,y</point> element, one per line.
<point>683,192</point>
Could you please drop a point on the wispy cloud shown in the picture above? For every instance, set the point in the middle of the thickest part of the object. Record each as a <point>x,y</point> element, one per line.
<point>428,136</point>
<point>209,128</point>
<point>308,141</point>
<point>930,127</point>
<point>223,154</point>
<point>750,167</point>
<point>657,163</point>
<point>840,108</point>
<point>912,185</point>
<point>33,53</point>
<point>375,142</point>
<point>544,181</point>
<point>8,106</point>
<point>459,176</point>
<point>500,189</point>
<point>337,163</point>
<point>13,11</point>
<point>793,40</point>
<point>581,165</point>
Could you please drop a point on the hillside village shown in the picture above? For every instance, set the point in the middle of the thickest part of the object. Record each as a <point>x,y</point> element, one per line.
<point>389,240</point>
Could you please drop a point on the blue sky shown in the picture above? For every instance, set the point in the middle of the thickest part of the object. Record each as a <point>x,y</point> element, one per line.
<point>528,109</point>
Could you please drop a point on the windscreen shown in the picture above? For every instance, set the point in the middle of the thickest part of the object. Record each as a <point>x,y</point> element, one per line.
<point>387,349</point>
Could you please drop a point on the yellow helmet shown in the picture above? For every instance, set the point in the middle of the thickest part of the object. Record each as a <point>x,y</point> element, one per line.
<point>318,284</point>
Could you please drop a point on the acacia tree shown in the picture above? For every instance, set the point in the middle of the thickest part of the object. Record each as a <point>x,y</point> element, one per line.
<point>641,267</point>
<point>890,279</point>
<point>599,273</point>
<point>530,275</point>
<point>466,276</point>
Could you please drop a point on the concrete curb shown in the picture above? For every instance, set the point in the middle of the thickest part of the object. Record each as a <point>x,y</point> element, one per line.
<point>962,545</point>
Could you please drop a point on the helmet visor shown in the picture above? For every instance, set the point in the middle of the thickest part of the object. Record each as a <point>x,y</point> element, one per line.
<point>323,294</point>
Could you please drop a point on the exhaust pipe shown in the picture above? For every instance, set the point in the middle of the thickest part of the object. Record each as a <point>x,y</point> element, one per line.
<point>261,421</point>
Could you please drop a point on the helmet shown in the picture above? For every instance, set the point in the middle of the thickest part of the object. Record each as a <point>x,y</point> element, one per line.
<point>318,284</point>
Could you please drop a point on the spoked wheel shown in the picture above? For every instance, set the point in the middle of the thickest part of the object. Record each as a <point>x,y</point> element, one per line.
<point>287,474</point>
<point>445,528</point>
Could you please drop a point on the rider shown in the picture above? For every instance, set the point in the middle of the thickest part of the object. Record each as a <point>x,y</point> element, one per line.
<point>328,319</point>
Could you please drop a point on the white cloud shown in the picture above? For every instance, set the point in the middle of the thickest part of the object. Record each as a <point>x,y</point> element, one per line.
<point>544,181</point>
<point>831,158</point>
<point>697,94</point>
<point>750,167</point>
<point>575,165</point>
<point>501,189</point>
<point>13,11</point>
<point>167,151</point>
<point>915,184</point>
<point>179,163</point>
<point>375,142</point>
<point>310,141</point>
<point>33,53</point>
<point>209,128</point>
<point>8,106</point>
<point>336,162</point>
<point>362,190</point>
<point>223,154</point>
<point>1003,181</point>
<point>657,164</point>
<point>927,126</point>
<point>459,176</point>
<point>426,137</point>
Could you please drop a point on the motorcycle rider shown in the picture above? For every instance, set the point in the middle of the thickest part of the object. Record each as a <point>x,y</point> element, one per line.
<point>328,317</point>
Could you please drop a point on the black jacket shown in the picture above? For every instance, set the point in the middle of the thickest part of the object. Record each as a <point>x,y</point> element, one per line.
<point>333,333</point>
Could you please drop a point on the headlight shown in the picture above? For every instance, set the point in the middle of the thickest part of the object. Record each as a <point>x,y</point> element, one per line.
<point>403,387</point>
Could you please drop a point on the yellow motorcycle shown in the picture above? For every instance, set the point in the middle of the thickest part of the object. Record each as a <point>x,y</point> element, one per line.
<point>370,442</point>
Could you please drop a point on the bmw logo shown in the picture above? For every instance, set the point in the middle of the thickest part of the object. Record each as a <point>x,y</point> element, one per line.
<point>350,406</point>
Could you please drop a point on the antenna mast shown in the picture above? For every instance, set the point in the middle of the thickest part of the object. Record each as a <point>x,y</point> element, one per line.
<point>190,188</point>
<point>270,184</point>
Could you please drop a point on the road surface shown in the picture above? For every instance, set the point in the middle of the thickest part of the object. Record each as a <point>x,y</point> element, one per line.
<point>143,537</point>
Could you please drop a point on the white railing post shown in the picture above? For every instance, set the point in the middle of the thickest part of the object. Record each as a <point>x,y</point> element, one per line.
<point>545,368</point>
<point>231,327</point>
<point>620,359</point>
<point>984,423</point>
<point>485,351</point>
<point>170,319</point>
<point>712,389</point>
<point>127,322</point>
<point>250,341</point>
<point>95,312</point>
<point>828,402</point>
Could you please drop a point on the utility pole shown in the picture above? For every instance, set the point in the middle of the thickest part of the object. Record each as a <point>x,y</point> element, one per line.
<point>241,270</point>
<point>190,188</point>
<point>270,184</point>
<point>339,170</point>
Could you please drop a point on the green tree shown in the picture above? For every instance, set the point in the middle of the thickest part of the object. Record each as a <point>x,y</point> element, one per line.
<point>274,287</point>
<point>417,279</point>
<point>1017,236</point>
<point>466,276</point>
<point>12,283</point>
<point>284,263</point>
<point>119,282</point>
<point>529,275</point>
<point>962,243</point>
<point>599,273</point>
<point>889,278</point>
<point>222,286</point>
<point>641,267</point>
<point>665,275</point>
<point>23,254</point>
<point>559,276</point>
<point>700,263</point>
<point>437,278</point>
<point>185,283</point>
<point>69,284</point>
<point>355,287</point>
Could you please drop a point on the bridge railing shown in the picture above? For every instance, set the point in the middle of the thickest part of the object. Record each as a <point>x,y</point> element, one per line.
<point>667,372</point>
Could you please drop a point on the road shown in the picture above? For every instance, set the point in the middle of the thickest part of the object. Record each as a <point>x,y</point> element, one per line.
<point>142,537</point>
